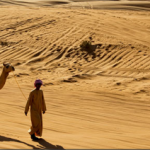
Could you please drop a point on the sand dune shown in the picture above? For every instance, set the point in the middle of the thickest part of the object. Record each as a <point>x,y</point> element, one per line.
<point>92,4</point>
<point>95,99</point>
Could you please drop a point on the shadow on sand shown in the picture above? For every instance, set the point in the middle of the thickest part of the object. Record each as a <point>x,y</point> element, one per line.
<point>42,143</point>
<point>48,145</point>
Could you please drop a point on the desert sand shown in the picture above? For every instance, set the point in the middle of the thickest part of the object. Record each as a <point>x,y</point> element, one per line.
<point>98,99</point>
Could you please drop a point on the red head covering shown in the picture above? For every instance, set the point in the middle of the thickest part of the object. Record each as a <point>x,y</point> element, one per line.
<point>38,81</point>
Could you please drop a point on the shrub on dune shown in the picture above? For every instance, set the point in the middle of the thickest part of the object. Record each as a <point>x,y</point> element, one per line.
<point>86,46</point>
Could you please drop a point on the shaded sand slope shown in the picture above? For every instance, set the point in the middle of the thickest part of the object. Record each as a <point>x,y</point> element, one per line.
<point>97,99</point>
<point>121,5</point>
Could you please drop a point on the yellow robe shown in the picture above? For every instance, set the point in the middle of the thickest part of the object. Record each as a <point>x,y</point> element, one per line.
<point>37,105</point>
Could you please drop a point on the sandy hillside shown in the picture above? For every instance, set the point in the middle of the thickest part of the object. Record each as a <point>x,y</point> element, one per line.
<point>92,4</point>
<point>96,98</point>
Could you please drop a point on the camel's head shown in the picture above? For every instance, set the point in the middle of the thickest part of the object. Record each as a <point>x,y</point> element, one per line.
<point>8,67</point>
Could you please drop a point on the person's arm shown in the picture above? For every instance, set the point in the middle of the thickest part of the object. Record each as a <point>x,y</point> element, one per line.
<point>43,103</point>
<point>28,104</point>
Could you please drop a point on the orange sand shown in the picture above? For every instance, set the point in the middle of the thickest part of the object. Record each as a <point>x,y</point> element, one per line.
<point>94,100</point>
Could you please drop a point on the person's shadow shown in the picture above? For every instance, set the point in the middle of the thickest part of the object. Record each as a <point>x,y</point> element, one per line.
<point>43,143</point>
<point>48,145</point>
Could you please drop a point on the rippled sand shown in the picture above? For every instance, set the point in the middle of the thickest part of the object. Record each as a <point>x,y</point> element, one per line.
<point>95,99</point>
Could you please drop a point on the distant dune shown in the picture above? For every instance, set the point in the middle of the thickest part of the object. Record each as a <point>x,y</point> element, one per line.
<point>94,4</point>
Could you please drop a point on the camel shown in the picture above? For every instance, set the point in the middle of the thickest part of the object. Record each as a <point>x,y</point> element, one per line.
<point>5,72</point>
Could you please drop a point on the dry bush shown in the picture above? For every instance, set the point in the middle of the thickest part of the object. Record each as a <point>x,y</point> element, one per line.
<point>86,46</point>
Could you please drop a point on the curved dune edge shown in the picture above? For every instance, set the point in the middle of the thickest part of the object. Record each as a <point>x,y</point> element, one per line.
<point>93,98</point>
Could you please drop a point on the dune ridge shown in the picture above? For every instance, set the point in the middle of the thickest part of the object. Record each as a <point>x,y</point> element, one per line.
<point>90,4</point>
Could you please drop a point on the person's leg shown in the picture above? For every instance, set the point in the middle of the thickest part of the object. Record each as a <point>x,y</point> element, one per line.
<point>33,137</point>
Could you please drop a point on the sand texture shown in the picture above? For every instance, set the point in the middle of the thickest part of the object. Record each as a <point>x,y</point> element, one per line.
<point>96,98</point>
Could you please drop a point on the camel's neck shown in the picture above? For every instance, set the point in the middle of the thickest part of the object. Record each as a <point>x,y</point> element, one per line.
<point>3,78</point>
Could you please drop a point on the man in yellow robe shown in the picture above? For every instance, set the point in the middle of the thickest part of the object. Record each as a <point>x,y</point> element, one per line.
<point>37,106</point>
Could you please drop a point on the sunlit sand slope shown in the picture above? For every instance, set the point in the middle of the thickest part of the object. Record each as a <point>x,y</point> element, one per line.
<point>95,99</point>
